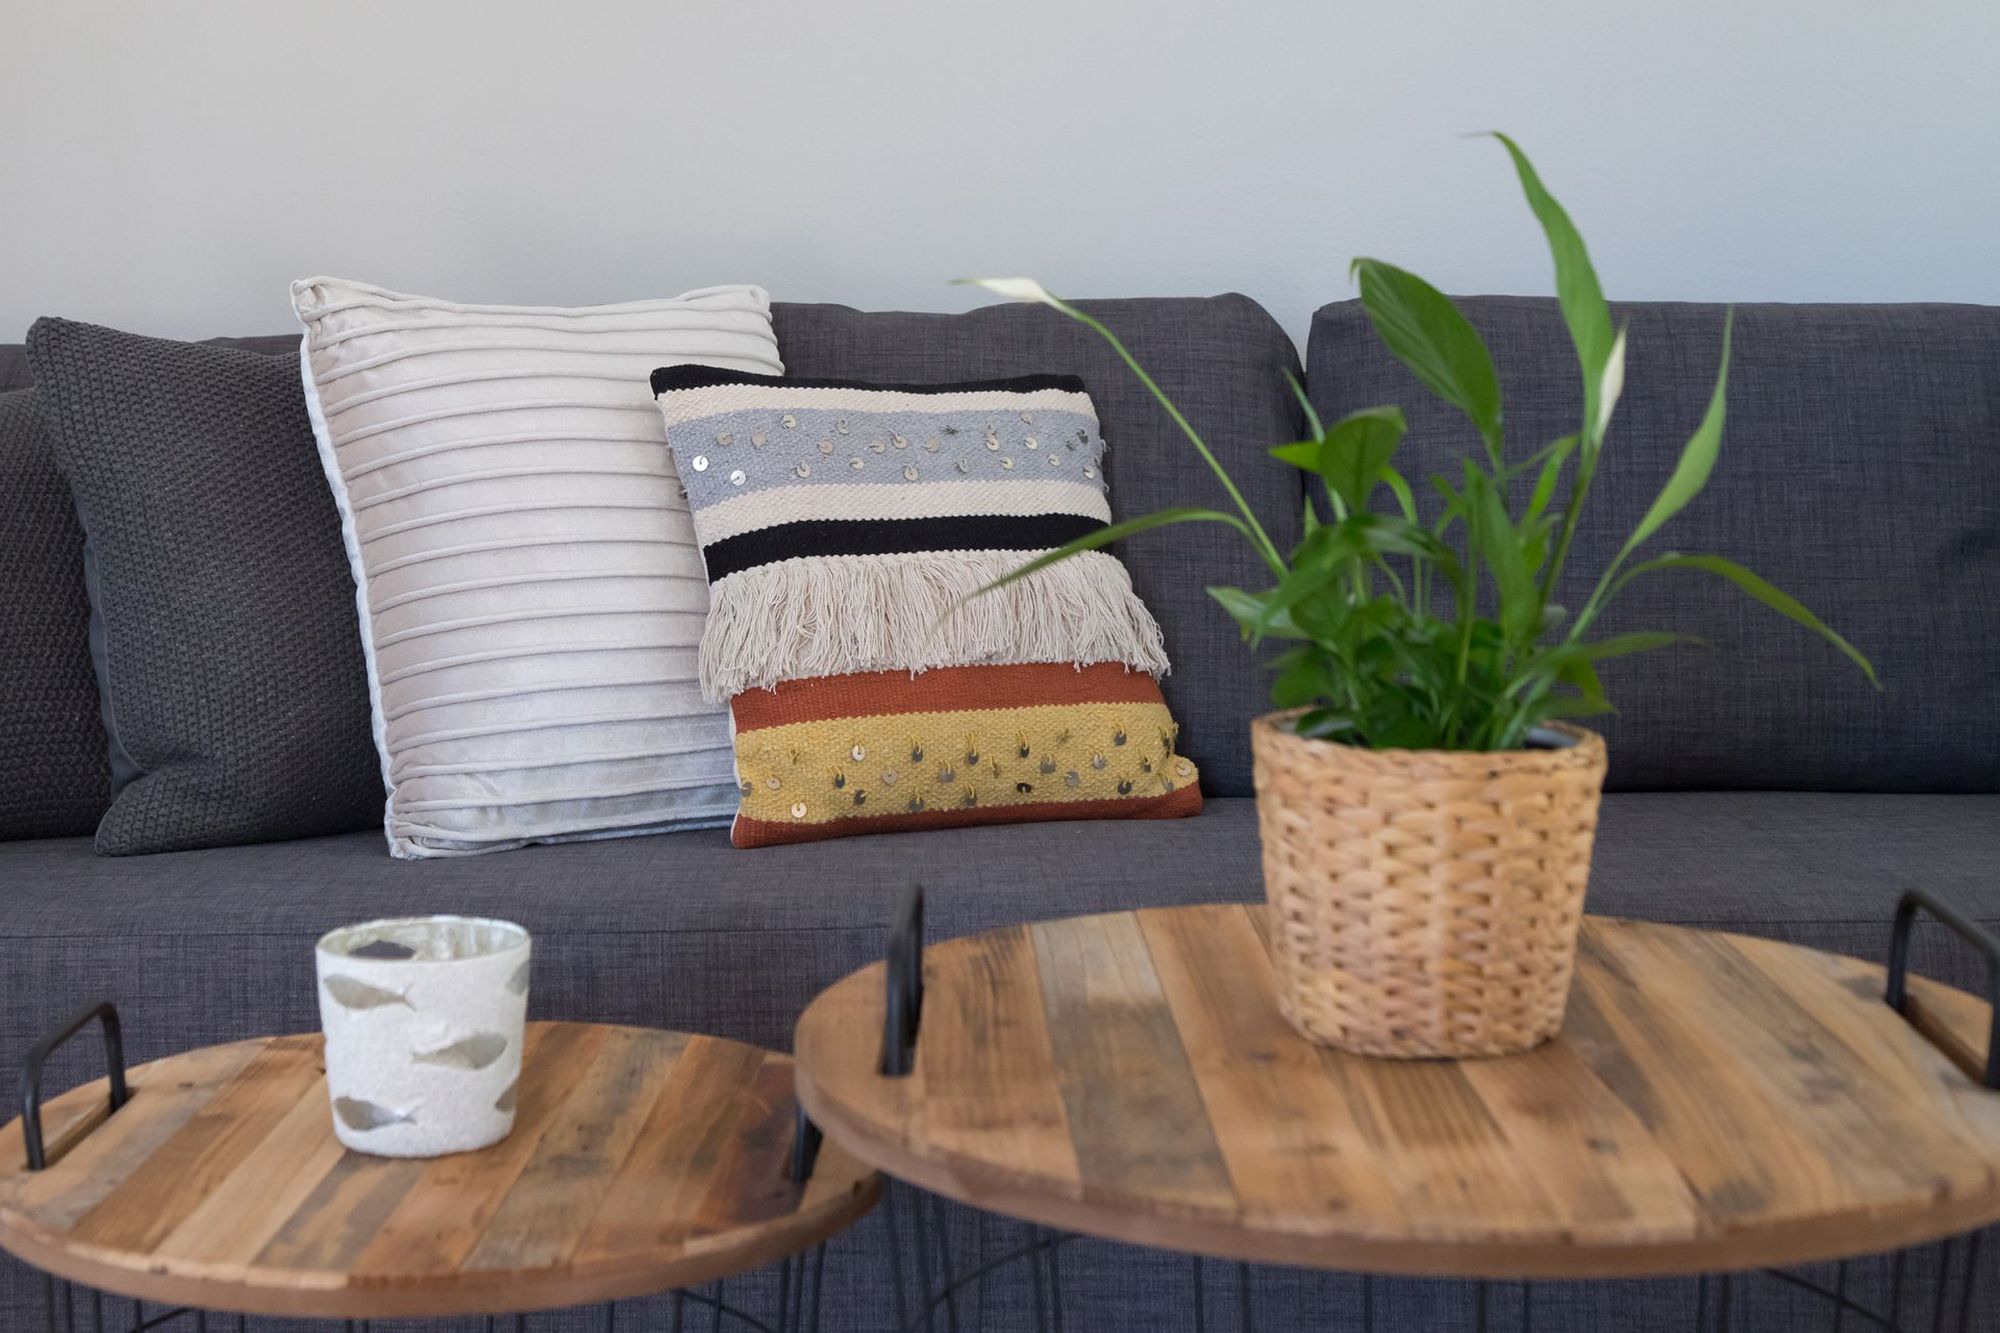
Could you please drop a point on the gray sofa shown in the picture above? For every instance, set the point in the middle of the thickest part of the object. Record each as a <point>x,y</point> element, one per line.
<point>1757,785</point>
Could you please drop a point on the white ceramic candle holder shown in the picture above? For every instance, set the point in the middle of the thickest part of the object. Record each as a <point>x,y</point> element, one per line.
<point>423,1019</point>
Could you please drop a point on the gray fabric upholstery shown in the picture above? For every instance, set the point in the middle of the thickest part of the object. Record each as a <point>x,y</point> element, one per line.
<point>54,781</point>
<point>208,945</point>
<point>684,931</point>
<point>229,650</point>
<point>1223,361</point>
<point>1858,472</point>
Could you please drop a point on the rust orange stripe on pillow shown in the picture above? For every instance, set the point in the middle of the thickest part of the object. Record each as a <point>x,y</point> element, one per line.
<point>1016,685</point>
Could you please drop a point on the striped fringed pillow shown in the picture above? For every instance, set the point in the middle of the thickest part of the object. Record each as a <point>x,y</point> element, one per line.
<point>844,526</point>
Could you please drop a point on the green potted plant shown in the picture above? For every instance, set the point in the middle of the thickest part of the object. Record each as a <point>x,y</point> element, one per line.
<point>1427,810</point>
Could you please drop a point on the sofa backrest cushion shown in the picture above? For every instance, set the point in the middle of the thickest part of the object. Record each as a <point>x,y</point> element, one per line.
<point>1860,472</point>
<point>1223,360</point>
<point>55,779</point>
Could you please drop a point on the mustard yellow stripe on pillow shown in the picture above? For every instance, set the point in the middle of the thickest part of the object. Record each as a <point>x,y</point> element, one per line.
<point>843,768</point>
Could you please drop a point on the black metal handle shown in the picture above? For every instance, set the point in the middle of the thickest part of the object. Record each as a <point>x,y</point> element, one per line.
<point>903,1009</point>
<point>31,1074</point>
<point>1965,928</point>
<point>806,1140</point>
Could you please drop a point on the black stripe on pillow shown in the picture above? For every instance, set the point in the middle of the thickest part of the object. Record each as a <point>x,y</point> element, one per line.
<point>670,378</point>
<point>893,536</point>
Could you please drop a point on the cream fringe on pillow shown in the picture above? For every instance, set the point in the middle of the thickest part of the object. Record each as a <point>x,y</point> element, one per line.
<point>831,615</point>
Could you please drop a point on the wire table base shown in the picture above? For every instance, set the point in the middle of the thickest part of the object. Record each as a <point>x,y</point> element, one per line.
<point>940,1287</point>
<point>789,1302</point>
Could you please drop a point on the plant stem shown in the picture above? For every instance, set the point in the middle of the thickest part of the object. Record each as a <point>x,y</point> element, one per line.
<point>1586,467</point>
<point>1266,547</point>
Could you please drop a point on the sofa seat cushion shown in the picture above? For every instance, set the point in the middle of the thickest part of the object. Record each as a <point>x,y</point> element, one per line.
<point>684,931</point>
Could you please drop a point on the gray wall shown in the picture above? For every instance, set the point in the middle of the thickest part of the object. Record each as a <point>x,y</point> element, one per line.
<point>169,167</point>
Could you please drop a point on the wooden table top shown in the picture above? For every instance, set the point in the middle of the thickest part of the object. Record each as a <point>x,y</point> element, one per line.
<point>640,1161</point>
<point>1714,1102</point>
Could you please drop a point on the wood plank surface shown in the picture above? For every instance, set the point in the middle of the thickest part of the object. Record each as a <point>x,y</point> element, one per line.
<point>1119,1063</point>
<point>1713,1103</point>
<point>640,1161</point>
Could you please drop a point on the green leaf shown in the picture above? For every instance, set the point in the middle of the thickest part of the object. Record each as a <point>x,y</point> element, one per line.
<point>1401,490</point>
<point>1564,660</point>
<point>1324,724</point>
<point>1350,456</point>
<point>1697,457</point>
<point>1357,449</point>
<point>1426,332</point>
<point>1545,484</point>
<point>1316,563</point>
<point>1302,454</point>
<point>1583,675</point>
<point>1781,602</point>
<point>1500,547</point>
<point>1577,290</point>
<point>1103,537</point>
<point>1378,534</point>
<point>1302,678</point>
<point>1580,705</point>
<point>1248,607</point>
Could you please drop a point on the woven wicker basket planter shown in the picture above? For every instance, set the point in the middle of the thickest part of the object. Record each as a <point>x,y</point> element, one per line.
<point>1425,902</point>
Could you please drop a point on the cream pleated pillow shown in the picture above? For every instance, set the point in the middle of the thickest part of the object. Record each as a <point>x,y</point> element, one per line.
<point>530,590</point>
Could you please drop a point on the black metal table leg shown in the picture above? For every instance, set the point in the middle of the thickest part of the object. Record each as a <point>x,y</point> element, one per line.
<point>1971,1282</point>
<point>891,1201</point>
<point>1052,1255</point>
<point>979,1252</point>
<point>942,1233</point>
<point>1041,1298</point>
<point>819,1273</point>
<point>1945,1250</point>
<point>922,1236</point>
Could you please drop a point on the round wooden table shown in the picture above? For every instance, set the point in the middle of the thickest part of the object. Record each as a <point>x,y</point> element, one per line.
<point>1714,1103</point>
<point>641,1161</point>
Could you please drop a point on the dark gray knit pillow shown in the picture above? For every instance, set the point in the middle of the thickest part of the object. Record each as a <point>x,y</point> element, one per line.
<point>229,658</point>
<point>54,782</point>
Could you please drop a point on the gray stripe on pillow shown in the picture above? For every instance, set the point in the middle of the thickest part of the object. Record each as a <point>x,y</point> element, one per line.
<point>1069,437</point>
